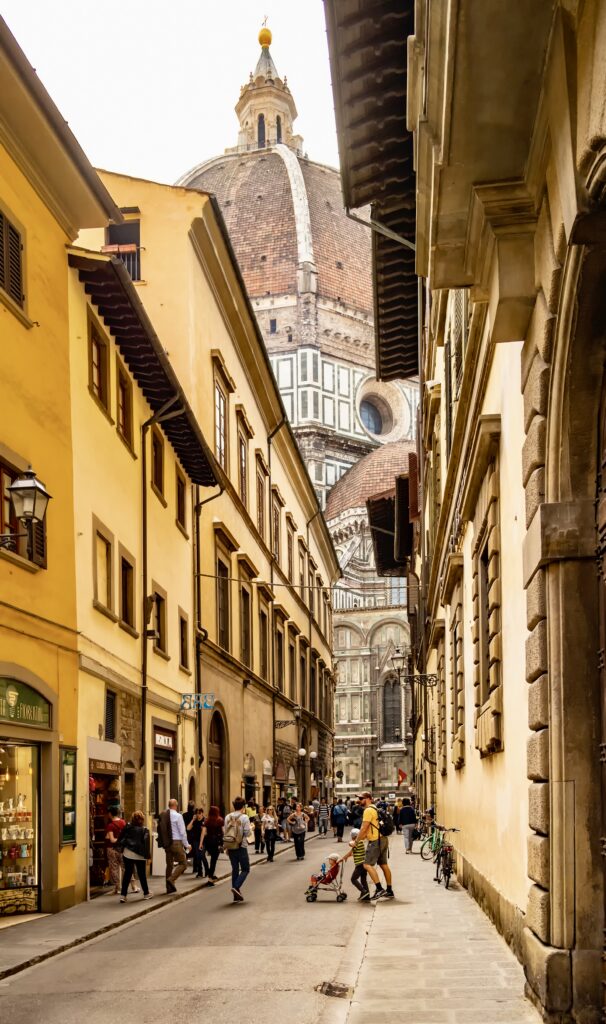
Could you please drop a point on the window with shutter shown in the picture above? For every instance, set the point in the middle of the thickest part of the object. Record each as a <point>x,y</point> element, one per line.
<point>110,716</point>
<point>11,260</point>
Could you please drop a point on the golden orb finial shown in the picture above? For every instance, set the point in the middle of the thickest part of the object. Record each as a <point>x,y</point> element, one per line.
<point>265,36</point>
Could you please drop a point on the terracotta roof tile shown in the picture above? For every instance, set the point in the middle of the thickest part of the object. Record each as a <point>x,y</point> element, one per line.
<point>372,475</point>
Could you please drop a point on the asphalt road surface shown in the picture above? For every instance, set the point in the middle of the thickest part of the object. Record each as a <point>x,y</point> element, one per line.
<point>207,959</point>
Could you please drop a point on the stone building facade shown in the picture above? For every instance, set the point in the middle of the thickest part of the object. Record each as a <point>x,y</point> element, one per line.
<point>510,241</point>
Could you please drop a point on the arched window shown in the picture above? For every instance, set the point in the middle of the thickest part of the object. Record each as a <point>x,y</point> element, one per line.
<point>278,129</point>
<point>392,712</point>
<point>261,131</point>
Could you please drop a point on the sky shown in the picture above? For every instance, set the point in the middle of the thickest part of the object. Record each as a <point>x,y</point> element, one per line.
<point>149,86</point>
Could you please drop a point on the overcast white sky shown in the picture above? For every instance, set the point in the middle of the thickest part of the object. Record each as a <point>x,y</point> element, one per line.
<point>149,86</point>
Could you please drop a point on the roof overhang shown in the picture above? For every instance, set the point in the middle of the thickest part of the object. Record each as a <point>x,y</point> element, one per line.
<point>110,289</point>
<point>40,141</point>
<point>368,56</point>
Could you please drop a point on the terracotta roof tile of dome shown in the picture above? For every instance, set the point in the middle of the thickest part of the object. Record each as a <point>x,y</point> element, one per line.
<point>256,202</point>
<point>255,196</point>
<point>374,474</point>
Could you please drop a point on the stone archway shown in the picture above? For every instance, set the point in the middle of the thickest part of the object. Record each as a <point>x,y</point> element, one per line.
<point>564,934</point>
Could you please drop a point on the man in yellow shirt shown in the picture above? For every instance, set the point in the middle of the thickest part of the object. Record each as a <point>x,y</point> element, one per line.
<point>377,849</point>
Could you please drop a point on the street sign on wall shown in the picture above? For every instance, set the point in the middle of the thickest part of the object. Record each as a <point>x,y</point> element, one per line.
<point>197,701</point>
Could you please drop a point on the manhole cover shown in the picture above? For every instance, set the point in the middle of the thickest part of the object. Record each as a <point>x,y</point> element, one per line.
<point>333,988</point>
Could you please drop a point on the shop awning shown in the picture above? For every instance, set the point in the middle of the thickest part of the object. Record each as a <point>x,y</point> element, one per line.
<point>108,284</point>
<point>368,55</point>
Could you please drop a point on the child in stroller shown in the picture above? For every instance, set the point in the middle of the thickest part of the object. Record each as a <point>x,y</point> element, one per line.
<point>330,879</point>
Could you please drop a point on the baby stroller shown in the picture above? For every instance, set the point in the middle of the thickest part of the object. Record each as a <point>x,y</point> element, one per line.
<point>330,879</point>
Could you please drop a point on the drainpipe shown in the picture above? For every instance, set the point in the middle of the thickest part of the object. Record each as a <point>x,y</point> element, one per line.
<point>161,416</point>
<point>272,639</point>
<point>200,633</point>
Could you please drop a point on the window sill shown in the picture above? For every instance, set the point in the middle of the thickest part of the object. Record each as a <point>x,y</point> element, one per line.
<point>14,308</point>
<point>182,529</point>
<point>127,444</point>
<point>105,611</point>
<point>159,495</point>
<point>100,405</point>
<point>23,563</point>
<point>187,671</point>
<point>129,629</point>
<point>161,653</point>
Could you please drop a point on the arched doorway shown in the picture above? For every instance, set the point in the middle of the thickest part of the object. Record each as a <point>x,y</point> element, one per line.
<point>191,790</point>
<point>568,791</point>
<point>217,771</point>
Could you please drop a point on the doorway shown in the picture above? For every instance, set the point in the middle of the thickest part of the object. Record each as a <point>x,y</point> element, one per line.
<point>216,762</point>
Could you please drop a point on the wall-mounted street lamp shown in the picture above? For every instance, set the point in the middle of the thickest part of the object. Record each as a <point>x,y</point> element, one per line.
<point>30,500</point>
<point>302,751</point>
<point>281,723</point>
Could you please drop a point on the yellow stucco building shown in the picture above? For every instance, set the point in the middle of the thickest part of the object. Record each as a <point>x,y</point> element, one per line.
<point>264,562</point>
<point>48,191</point>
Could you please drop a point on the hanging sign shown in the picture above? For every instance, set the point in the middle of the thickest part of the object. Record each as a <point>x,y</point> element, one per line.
<point>165,740</point>
<point>197,701</point>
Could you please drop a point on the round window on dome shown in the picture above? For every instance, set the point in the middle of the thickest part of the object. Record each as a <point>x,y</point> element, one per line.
<point>371,417</point>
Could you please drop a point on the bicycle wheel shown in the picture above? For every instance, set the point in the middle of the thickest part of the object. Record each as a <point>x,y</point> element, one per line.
<point>437,853</point>
<point>426,850</point>
<point>438,875</point>
<point>447,868</point>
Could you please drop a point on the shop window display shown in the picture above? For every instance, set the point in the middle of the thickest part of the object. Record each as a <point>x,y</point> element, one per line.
<point>19,833</point>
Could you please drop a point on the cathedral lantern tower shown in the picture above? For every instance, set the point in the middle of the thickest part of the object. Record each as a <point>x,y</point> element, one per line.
<point>266,109</point>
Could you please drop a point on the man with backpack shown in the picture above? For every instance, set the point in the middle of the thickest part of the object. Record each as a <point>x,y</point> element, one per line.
<point>377,826</point>
<point>339,819</point>
<point>235,842</point>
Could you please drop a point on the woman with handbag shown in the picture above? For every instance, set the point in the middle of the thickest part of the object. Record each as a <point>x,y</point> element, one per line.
<point>297,823</point>
<point>211,840</point>
<point>136,851</point>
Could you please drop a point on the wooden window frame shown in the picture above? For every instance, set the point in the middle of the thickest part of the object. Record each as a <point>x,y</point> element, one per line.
<point>183,620</point>
<point>486,618</point>
<point>160,618</point>
<point>122,376</point>
<point>290,553</point>
<point>181,481</point>
<point>261,475</point>
<point>263,612</point>
<point>243,468</point>
<point>128,626</point>
<point>156,437</point>
<point>102,396</point>
<point>292,665</point>
<point>246,654</point>
<point>220,395</point>
<point>223,559</point>
<point>279,656</point>
<point>16,304</point>
<point>276,528</point>
<point>99,529</point>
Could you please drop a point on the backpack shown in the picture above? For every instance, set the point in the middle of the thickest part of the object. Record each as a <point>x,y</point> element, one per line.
<point>386,825</point>
<point>233,833</point>
<point>340,813</point>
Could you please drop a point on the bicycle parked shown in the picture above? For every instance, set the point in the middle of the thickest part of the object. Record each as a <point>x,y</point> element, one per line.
<point>445,859</point>
<point>431,846</point>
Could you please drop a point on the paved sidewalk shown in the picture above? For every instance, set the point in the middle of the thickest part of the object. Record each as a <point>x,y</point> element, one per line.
<point>29,942</point>
<point>433,957</point>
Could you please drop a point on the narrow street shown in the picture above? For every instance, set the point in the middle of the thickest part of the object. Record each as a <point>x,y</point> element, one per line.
<point>430,954</point>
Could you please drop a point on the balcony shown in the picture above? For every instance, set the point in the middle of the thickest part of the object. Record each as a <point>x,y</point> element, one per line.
<point>130,254</point>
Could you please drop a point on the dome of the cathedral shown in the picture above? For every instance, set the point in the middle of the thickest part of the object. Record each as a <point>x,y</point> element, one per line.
<point>373,474</point>
<point>283,210</point>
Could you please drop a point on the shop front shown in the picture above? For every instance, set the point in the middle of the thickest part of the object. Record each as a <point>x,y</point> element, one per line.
<point>104,798</point>
<point>165,781</point>
<point>25,732</point>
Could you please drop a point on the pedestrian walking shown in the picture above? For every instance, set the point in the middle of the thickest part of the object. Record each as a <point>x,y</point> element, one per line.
<point>136,850</point>
<point>323,816</point>
<point>269,821</point>
<point>235,840</point>
<point>172,838</point>
<point>297,822</point>
<point>407,820</point>
<point>115,862</point>
<point>194,836</point>
<point>211,840</point>
<point>286,811</point>
<point>339,815</point>
<point>257,825</point>
<point>359,876</point>
<point>377,849</point>
<point>396,815</point>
